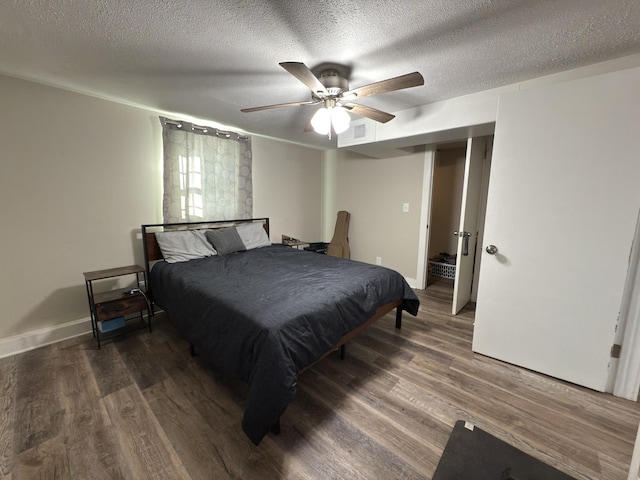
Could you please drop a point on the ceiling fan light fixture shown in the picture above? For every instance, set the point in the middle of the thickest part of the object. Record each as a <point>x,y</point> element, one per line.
<point>331,88</point>
<point>330,117</point>
<point>340,119</point>
<point>321,121</point>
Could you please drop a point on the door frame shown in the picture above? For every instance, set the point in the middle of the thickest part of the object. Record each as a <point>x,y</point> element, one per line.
<point>425,215</point>
<point>425,210</point>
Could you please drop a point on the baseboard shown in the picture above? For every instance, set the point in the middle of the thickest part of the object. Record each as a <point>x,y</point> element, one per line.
<point>44,336</point>
<point>412,282</point>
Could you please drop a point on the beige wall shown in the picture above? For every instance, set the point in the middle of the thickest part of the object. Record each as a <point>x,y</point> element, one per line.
<point>373,191</point>
<point>287,188</point>
<point>79,175</point>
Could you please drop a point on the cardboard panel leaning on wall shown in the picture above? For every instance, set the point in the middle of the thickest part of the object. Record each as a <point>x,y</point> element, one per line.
<point>78,176</point>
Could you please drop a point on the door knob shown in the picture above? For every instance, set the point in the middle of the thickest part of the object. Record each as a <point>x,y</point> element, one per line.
<point>491,249</point>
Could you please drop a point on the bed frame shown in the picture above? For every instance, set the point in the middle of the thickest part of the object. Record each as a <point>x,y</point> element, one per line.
<point>152,253</point>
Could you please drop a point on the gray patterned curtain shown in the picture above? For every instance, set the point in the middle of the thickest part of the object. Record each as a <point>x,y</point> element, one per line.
<point>207,173</point>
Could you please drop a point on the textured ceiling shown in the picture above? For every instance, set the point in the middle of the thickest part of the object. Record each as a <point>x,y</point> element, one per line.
<point>208,59</point>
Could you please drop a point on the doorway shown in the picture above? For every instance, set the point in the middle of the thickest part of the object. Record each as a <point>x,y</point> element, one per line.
<point>446,198</point>
<point>459,185</point>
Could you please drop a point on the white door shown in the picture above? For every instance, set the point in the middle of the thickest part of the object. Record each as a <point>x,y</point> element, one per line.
<point>563,197</point>
<point>467,232</point>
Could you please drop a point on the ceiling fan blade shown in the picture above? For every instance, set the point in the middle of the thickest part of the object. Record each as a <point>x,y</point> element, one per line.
<point>306,76</point>
<point>278,105</point>
<point>369,112</point>
<point>409,80</point>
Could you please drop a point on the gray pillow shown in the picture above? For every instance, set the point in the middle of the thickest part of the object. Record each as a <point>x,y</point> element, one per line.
<point>183,245</point>
<point>253,235</point>
<point>225,240</point>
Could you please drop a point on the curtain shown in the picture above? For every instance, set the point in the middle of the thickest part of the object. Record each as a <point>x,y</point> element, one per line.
<point>207,173</point>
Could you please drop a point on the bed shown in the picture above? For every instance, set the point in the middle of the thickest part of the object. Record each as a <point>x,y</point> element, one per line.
<point>266,312</point>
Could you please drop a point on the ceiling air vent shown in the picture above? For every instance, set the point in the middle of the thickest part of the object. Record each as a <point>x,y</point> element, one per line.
<point>359,131</point>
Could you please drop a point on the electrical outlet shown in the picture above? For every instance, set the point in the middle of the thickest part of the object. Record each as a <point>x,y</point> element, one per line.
<point>405,207</point>
<point>378,260</point>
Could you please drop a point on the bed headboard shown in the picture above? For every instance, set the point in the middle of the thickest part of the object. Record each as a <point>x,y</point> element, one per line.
<point>150,245</point>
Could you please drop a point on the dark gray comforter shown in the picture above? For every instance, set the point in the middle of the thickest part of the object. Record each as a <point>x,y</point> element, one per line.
<point>263,315</point>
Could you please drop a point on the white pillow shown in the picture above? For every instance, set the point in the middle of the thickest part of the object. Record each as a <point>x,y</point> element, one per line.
<point>253,235</point>
<point>183,245</point>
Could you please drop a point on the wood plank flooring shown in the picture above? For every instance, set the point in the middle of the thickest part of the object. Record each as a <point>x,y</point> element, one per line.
<point>141,408</point>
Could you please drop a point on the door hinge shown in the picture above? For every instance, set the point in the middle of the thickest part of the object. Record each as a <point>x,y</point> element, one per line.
<point>615,350</point>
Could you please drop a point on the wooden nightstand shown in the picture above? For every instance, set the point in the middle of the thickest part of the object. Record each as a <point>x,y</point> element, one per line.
<point>115,312</point>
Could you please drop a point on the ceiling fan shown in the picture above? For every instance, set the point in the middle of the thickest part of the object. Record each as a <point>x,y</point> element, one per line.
<point>331,89</point>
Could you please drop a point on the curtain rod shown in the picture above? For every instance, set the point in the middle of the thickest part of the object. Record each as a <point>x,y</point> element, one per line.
<point>200,129</point>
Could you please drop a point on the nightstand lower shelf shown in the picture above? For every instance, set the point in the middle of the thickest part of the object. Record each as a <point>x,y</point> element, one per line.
<point>131,325</point>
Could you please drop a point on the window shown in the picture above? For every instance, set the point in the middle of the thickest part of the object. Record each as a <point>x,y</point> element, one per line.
<point>207,173</point>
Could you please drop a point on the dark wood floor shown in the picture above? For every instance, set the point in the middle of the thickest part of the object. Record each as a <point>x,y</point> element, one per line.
<point>141,408</point>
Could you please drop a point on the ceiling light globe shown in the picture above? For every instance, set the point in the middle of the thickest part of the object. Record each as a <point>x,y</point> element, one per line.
<point>340,119</point>
<point>321,121</point>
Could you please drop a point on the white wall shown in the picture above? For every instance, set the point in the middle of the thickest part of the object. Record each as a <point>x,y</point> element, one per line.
<point>373,191</point>
<point>78,176</point>
<point>458,118</point>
